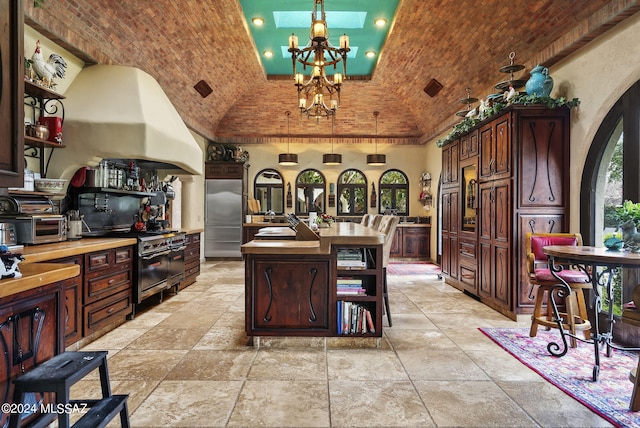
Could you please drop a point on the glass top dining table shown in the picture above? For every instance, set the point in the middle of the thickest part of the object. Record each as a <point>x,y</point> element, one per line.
<point>600,265</point>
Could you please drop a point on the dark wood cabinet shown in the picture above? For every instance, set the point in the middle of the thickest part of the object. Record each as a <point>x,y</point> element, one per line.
<point>72,302</point>
<point>290,295</point>
<point>31,332</point>
<point>107,288</point>
<point>412,242</point>
<point>224,170</point>
<point>523,165</point>
<point>450,163</point>
<point>495,148</point>
<point>469,145</point>
<point>494,241</point>
<point>297,294</point>
<point>191,259</point>
<point>450,220</point>
<point>11,94</point>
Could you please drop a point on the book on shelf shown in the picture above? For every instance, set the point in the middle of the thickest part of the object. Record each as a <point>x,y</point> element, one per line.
<point>351,291</point>
<point>352,264</point>
<point>347,280</point>
<point>354,318</point>
<point>350,254</point>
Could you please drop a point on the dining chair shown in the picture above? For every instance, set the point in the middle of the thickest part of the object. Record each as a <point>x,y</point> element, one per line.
<point>387,225</point>
<point>542,281</point>
<point>366,219</point>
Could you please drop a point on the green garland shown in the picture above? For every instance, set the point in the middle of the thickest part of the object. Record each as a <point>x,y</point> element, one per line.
<point>469,123</point>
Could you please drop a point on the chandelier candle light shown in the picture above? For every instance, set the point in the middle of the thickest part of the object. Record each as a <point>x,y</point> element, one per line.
<point>319,54</point>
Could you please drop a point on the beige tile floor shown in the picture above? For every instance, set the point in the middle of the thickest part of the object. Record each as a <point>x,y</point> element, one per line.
<point>186,363</point>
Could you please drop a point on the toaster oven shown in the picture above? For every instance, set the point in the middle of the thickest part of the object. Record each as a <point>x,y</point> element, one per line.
<point>33,219</point>
<point>39,229</point>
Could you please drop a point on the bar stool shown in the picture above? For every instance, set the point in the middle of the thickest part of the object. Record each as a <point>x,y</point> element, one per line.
<point>575,316</point>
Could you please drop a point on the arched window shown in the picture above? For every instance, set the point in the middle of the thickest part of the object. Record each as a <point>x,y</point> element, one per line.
<point>609,178</point>
<point>310,192</point>
<point>394,192</point>
<point>268,189</point>
<point>352,192</point>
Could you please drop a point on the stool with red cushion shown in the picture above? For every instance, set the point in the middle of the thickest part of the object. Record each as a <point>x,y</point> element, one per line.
<point>575,317</point>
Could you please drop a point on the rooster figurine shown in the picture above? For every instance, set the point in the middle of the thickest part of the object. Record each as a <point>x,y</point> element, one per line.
<point>47,70</point>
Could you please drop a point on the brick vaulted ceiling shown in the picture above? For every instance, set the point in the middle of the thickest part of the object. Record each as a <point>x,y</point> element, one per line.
<point>461,43</point>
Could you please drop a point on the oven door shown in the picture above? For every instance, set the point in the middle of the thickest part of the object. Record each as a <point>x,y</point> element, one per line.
<point>153,272</point>
<point>176,269</point>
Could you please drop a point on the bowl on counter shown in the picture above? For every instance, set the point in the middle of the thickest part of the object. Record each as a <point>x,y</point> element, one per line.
<point>49,185</point>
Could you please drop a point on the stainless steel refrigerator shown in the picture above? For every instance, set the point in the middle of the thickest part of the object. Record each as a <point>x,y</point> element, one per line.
<point>223,218</point>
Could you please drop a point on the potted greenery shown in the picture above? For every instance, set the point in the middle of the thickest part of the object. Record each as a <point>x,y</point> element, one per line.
<point>628,219</point>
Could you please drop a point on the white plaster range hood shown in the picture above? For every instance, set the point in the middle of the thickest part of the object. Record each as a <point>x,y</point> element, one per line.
<point>118,112</point>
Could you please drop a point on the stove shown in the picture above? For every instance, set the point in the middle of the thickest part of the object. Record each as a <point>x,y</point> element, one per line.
<point>159,263</point>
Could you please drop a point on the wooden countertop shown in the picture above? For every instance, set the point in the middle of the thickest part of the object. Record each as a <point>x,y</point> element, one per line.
<point>336,234</point>
<point>37,275</point>
<point>47,252</point>
<point>190,231</point>
<point>425,225</point>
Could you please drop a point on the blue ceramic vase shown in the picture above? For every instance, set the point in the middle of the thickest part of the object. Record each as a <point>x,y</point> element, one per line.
<point>540,83</point>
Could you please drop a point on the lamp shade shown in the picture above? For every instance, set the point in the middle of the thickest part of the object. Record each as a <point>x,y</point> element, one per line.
<point>332,159</point>
<point>288,159</point>
<point>376,159</point>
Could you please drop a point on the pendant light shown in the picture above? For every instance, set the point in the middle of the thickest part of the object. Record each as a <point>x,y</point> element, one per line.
<point>332,158</point>
<point>288,158</point>
<point>376,159</point>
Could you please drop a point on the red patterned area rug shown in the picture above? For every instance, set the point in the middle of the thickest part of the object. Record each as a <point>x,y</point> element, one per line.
<point>412,268</point>
<point>609,397</point>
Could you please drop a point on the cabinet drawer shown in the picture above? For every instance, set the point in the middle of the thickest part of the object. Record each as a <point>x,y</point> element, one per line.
<point>191,253</point>
<point>99,287</point>
<point>99,260</point>
<point>468,249</point>
<point>468,276</point>
<point>193,270</point>
<point>123,255</point>
<point>106,311</point>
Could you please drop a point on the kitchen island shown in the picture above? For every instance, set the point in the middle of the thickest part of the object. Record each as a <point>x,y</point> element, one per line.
<point>327,287</point>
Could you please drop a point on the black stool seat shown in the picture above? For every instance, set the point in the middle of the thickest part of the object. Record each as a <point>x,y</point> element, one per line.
<point>58,374</point>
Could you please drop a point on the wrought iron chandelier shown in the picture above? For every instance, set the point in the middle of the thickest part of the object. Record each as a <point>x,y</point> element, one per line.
<point>318,96</point>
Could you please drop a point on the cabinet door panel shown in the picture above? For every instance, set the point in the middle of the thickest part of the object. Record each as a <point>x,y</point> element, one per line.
<point>446,255</point>
<point>502,212</point>
<point>502,279</point>
<point>486,211</point>
<point>502,151</point>
<point>542,162</point>
<point>486,278</point>
<point>290,295</point>
<point>453,269</point>
<point>486,151</point>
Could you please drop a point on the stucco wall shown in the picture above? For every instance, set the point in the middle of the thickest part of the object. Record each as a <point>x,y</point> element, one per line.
<point>598,75</point>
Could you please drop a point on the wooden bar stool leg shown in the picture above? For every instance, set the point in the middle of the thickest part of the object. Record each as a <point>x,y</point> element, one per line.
<point>582,311</point>
<point>537,311</point>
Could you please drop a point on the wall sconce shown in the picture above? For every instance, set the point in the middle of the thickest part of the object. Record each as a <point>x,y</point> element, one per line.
<point>289,196</point>
<point>374,196</point>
